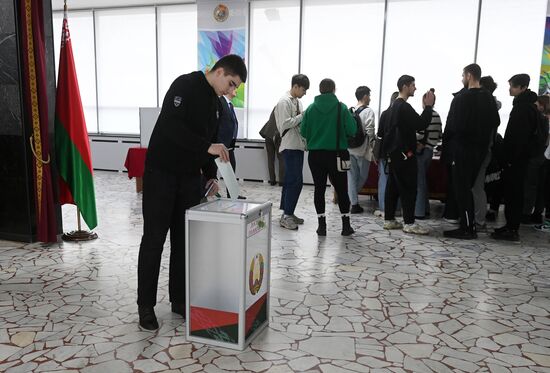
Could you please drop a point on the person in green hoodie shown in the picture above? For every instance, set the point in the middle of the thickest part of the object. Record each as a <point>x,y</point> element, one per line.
<point>319,124</point>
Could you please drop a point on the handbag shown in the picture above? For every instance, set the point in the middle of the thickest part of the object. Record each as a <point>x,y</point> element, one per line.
<point>343,163</point>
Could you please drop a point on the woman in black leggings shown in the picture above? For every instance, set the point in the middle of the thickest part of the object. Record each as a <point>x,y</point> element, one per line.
<point>319,127</point>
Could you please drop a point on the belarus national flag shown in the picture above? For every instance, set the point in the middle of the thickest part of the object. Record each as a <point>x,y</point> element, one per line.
<point>71,137</point>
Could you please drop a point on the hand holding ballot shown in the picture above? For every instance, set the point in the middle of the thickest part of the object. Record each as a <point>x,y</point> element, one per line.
<point>220,150</point>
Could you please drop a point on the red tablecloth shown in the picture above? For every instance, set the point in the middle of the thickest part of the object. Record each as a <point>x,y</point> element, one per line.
<point>437,180</point>
<point>135,162</point>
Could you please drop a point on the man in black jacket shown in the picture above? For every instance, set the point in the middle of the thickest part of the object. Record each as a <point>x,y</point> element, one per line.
<point>399,146</point>
<point>471,122</point>
<point>228,129</point>
<point>518,140</point>
<point>181,151</point>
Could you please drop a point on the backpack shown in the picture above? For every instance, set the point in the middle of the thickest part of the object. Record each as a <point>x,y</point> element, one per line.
<point>359,138</point>
<point>540,135</point>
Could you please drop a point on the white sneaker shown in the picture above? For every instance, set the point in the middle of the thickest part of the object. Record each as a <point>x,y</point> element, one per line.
<point>392,224</point>
<point>288,223</point>
<point>452,221</point>
<point>379,213</point>
<point>415,229</point>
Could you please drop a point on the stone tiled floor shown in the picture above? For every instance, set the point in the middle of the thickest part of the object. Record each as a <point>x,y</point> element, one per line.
<point>373,302</point>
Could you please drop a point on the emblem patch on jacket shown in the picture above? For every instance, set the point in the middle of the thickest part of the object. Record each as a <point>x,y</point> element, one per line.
<point>177,101</point>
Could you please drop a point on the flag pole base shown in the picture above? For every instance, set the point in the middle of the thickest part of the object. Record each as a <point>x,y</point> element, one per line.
<point>79,236</point>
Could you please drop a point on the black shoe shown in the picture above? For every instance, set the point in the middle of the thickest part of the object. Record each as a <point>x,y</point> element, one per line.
<point>272,182</point>
<point>322,229</point>
<point>356,209</point>
<point>491,216</point>
<point>526,219</point>
<point>536,218</point>
<point>507,235</point>
<point>347,230</point>
<point>421,217</point>
<point>241,197</point>
<point>501,229</point>
<point>179,308</point>
<point>147,318</point>
<point>461,234</point>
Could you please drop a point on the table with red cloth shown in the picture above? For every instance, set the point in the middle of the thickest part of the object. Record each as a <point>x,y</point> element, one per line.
<point>135,164</point>
<point>437,180</point>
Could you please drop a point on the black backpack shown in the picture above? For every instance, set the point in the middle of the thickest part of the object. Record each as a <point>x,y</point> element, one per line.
<point>540,135</point>
<point>359,138</point>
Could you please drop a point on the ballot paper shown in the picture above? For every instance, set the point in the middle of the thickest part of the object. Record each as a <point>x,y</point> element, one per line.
<point>229,178</point>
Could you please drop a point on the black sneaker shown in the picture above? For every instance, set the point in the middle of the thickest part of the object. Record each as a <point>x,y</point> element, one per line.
<point>147,318</point>
<point>272,182</point>
<point>461,234</point>
<point>536,218</point>
<point>526,219</point>
<point>179,308</point>
<point>507,235</point>
<point>356,209</point>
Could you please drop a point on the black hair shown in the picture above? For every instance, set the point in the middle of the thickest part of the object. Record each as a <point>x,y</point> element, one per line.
<point>488,83</point>
<point>474,70</point>
<point>393,97</point>
<point>361,92</point>
<point>232,65</point>
<point>404,80</point>
<point>301,80</point>
<point>521,80</point>
<point>327,86</point>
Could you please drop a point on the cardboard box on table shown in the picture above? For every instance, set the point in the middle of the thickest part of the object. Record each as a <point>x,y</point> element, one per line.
<point>228,246</point>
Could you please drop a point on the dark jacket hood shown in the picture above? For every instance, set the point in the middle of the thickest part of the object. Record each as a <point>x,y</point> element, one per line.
<point>527,96</point>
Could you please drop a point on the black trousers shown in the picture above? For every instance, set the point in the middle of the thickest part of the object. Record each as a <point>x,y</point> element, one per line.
<point>272,149</point>
<point>166,197</point>
<point>451,209</point>
<point>464,171</point>
<point>513,183</point>
<point>402,182</point>
<point>322,164</point>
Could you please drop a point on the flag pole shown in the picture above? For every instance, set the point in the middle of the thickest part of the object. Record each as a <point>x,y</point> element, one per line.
<point>79,235</point>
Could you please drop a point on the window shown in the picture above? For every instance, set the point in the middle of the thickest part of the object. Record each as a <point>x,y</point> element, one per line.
<point>274,42</point>
<point>81,27</point>
<point>432,40</point>
<point>347,49</point>
<point>126,67</point>
<point>177,43</point>
<point>511,39</point>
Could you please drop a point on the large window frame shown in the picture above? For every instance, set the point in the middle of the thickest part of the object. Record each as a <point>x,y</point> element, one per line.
<point>483,15</point>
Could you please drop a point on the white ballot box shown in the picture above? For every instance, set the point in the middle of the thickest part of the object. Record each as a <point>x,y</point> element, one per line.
<point>227,250</point>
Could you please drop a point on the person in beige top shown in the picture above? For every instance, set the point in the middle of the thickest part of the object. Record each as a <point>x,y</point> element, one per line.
<point>361,156</point>
<point>288,116</point>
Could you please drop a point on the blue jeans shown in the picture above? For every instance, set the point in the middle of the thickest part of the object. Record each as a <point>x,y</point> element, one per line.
<point>422,205</point>
<point>294,163</point>
<point>357,175</point>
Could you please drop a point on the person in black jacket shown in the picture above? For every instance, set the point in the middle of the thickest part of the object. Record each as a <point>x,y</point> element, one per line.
<point>470,125</point>
<point>228,129</point>
<point>399,145</point>
<point>518,141</point>
<point>181,151</point>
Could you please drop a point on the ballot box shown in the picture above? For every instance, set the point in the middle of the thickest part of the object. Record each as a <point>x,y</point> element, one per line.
<point>227,250</point>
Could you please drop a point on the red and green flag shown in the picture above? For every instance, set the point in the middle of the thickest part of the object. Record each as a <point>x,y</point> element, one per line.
<point>71,137</point>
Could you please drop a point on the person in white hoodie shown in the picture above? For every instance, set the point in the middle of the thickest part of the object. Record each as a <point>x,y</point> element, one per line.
<point>361,156</point>
<point>288,116</point>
